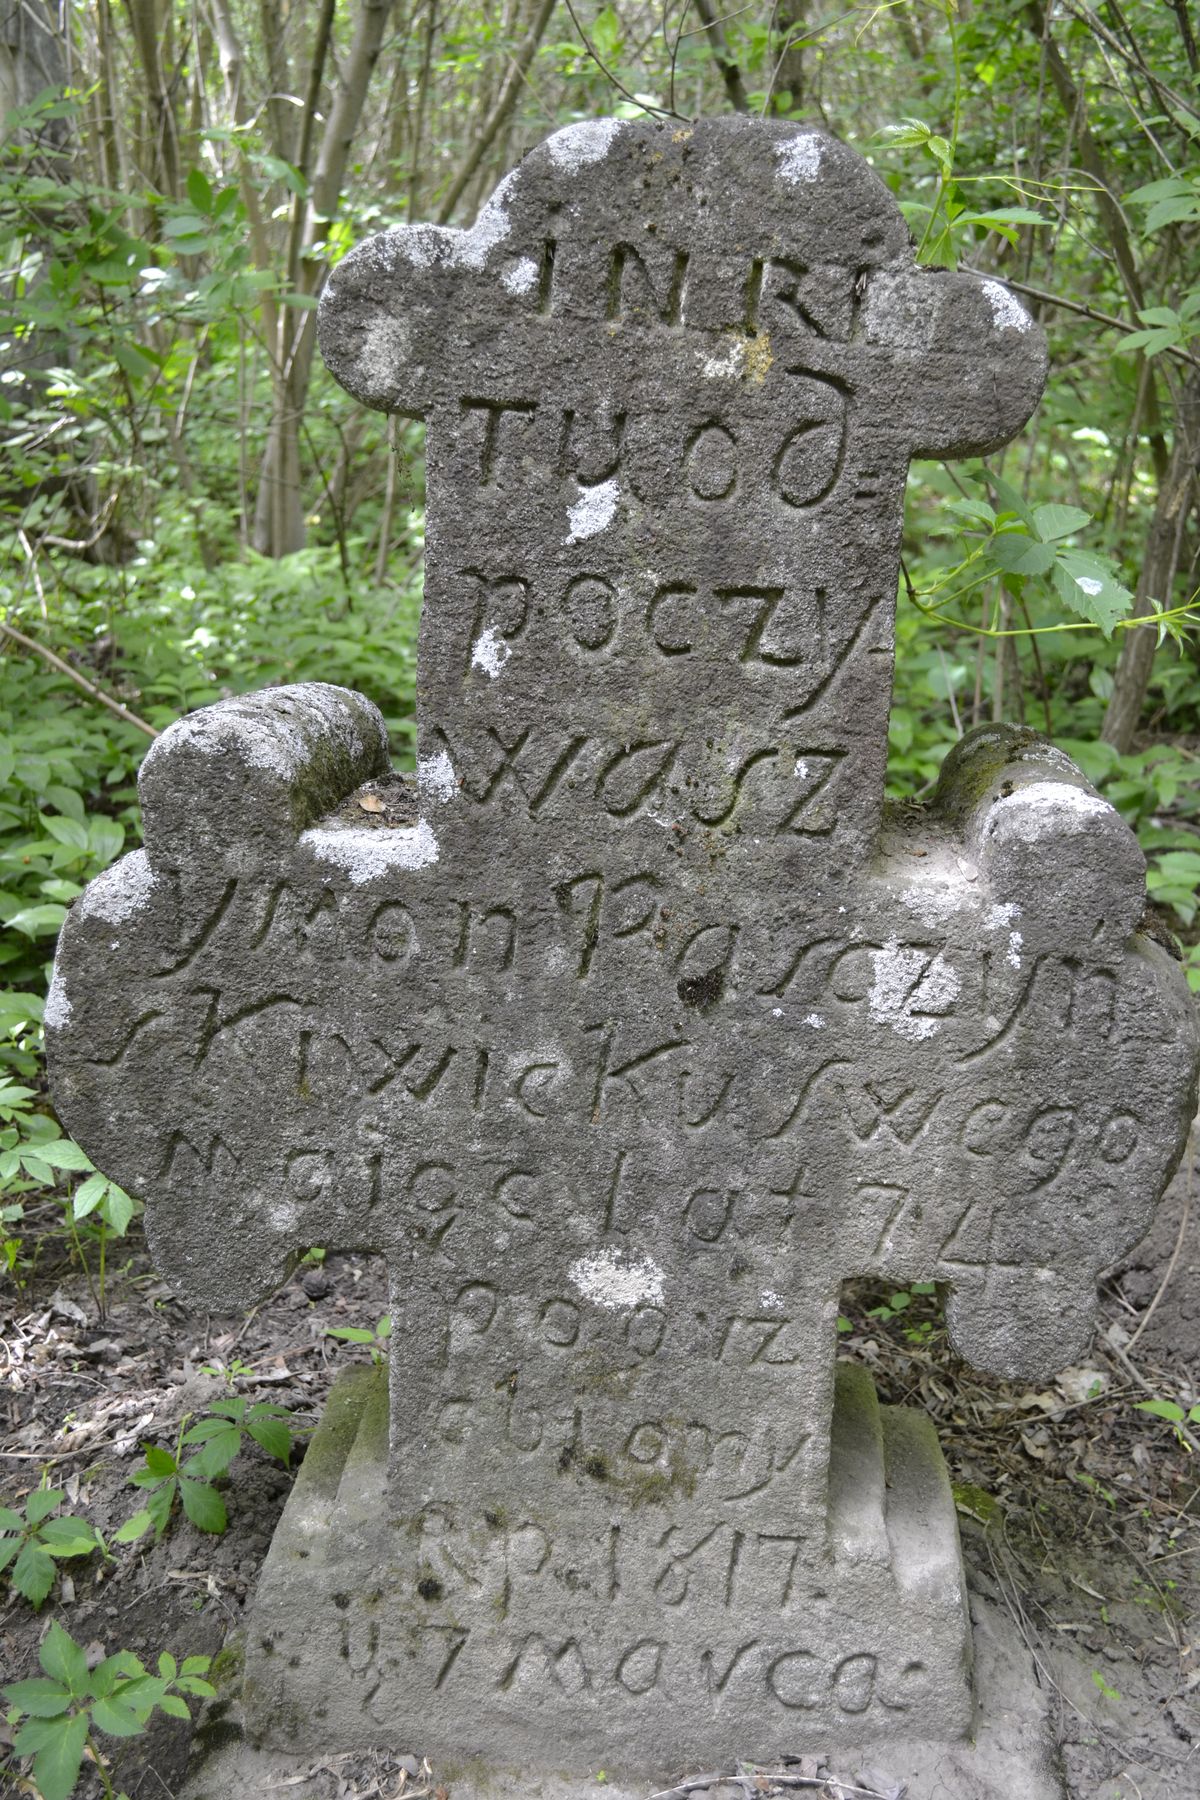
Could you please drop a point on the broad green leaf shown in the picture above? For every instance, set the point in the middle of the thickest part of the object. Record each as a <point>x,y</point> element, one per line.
<point>1007,215</point>
<point>56,1767</point>
<point>172,1704</point>
<point>192,1684</point>
<point>1172,212</point>
<point>199,190</point>
<point>196,1665</point>
<point>116,1719</point>
<point>274,1435</point>
<point>33,1575</point>
<point>63,1660</point>
<point>40,1698</point>
<point>118,1209</point>
<point>122,1665</point>
<point>233,1408</point>
<point>1158,190</point>
<point>88,1195</point>
<point>38,921</point>
<point>203,1505</point>
<point>66,800</point>
<point>159,1461</point>
<point>1088,587</point>
<point>214,1457</point>
<point>159,1505</point>
<point>35,1734</point>
<point>168,1668</point>
<point>135,1527</point>
<point>10,1520</point>
<point>1010,500</point>
<point>106,839</point>
<point>1162,1409</point>
<point>42,1502</point>
<point>1151,342</point>
<point>1017,554</point>
<point>71,832</point>
<point>63,1154</point>
<point>1055,521</point>
<point>68,1537</point>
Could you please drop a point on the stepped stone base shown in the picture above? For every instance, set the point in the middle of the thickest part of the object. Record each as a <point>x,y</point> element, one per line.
<point>351,1647</point>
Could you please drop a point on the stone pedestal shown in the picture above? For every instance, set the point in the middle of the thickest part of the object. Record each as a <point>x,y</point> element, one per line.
<point>738,1646</point>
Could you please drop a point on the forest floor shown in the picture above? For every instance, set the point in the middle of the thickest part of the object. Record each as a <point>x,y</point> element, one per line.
<point>1080,1514</point>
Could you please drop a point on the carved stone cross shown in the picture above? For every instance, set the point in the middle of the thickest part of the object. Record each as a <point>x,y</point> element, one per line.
<point>638,1025</point>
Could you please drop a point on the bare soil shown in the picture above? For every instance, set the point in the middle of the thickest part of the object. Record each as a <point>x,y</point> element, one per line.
<point>1080,1515</point>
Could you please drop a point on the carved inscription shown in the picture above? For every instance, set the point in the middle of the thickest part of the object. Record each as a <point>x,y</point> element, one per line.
<point>635,1021</point>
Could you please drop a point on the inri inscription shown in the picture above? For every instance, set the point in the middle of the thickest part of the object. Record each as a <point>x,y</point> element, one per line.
<point>634,1025</point>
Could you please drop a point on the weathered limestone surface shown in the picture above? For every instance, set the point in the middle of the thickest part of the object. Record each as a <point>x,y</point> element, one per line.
<point>635,1025</point>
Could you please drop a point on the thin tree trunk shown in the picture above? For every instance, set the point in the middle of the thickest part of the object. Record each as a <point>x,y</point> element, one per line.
<point>150,28</point>
<point>418,144</point>
<point>279,511</point>
<point>730,74</point>
<point>1160,565</point>
<point>787,71</point>
<point>505,102</point>
<point>279,110</point>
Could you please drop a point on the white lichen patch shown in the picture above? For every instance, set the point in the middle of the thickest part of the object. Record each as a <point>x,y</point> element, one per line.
<point>120,891</point>
<point>436,779</point>
<point>801,769</point>
<point>284,1215</point>
<point>1001,916</point>
<point>1012,955</point>
<point>617,1279</point>
<point>814,1020</point>
<point>1047,809</point>
<point>911,991</point>
<point>799,158</point>
<point>490,652</point>
<point>425,245</point>
<point>1007,311</point>
<point>279,730</point>
<point>724,364</point>
<point>520,276</point>
<point>933,905</point>
<point>366,852</point>
<point>593,512</point>
<point>770,1301</point>
<point>57,1010</point>
<point>575,146</point>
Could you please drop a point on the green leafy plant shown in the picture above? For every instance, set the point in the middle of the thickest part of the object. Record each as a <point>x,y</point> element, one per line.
<point>30,1546</point>
<point>214,1441</point>
<point>1175,1417</point>
<point>1164,328</point>
<point>917,1331</point>
<point>375,1340</point>
<point>60,1711</point>
<point>230,1373</point>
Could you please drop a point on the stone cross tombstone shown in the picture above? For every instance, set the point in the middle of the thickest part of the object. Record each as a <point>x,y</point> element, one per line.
<point>637,1023</point>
